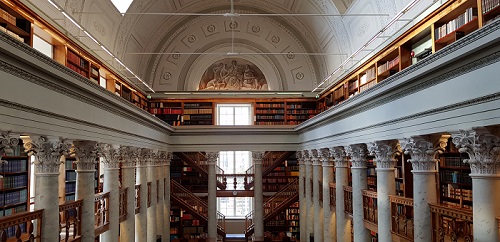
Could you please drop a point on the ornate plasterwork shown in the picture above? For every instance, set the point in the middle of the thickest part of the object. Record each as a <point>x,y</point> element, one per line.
<point>129,156</point>
<point>483,148</point>
<point>47,152</point>
<point>340,157</point>
<point>307,157</point>
<point>358,154</point>
<point>326,157</point>
<point>315,157</point>
<point>385,153</point>
<point>423,151</point>
<point>86,153</point>
<point>257,157</point>
<point>7,142</point>
<point>111,155</point>
<point>145,157</point>
<point>212,157</point>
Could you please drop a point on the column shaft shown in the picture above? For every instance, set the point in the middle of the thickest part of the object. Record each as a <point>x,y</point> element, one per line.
<point>361,234</point>
<point>111,185</point>
<point>485,196</point>
<point>160,223</point>
<point>318,209</point>
<point>343,224</point>
<point>166,204</point>
<point>141,219</point>
<point>151,210</point>
<point>259,203</point>
<point>309,201</point>
<point>85,191</point>
<point>44,199</point>
<point>424,192</point>
<point>127,227</point>
<point>302,201</point>
<point>212,203</point>
<point>386,185</point>
<point>329,230</point>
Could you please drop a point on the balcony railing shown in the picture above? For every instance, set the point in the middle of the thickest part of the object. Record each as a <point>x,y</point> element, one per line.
<point>123,204</point>
<point>401,218</point>
<point>333,195</point>
<point>348,201</point>
<point>70,221</point>
<point>370,210</point>
<point>451,223</point>
<point>101,211</point>
<point>137,199</point>
<point>20,227</point>
<point>235,181</point>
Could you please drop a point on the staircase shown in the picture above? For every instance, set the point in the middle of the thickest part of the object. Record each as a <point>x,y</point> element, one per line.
<point>275,205</point>
<point>197,161</point>
<point>195,206</point>
<point>269,163</point>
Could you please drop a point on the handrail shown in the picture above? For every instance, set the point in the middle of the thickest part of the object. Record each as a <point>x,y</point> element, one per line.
<point>348,201</point>
<point>370,207</point>
<point>333,195</point>
<point>123,204</point>
<point>20,226</point>
<point>70,221</point>
<point>451,223</point>
<point>402,217</point>
<point>137,199</point>
<point>238,181</point>
<point>101,211</point>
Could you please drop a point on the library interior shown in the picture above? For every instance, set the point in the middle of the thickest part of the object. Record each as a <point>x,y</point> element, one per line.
<point>257,120</point>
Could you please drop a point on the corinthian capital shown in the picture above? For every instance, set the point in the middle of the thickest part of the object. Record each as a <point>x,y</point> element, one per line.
<point>257,157</point>
<point>306,158</point>
<point>385,153</point>
<point>326,157</point>
<point>7,142</point>
<point>358,154</point>
<point>315,157</point>
<point>145,156</point>
<point>129,156</point>
<point>212,157</point>
<point>423,151</point>
<point>340,157</point>
<point>47,152</point>
<point>86,153</point>
<point>111,155</point>
<point>483,148</point>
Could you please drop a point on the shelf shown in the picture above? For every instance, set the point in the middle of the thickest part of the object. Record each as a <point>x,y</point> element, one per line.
<point>466,28</point>
<point>13,189</point>
<point>12,205</point>
<point>14,28</point>
<point>456,183</point>
<point>77,65</point>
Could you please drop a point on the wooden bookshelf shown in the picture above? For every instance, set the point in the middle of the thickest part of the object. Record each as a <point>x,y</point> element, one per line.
<point>371,173</point>
<point>270,113</point>
<point>298,112</point>
<point>70,179</point>
<point>198,113</point>
<point>15,24</point>
<point>286,222</point>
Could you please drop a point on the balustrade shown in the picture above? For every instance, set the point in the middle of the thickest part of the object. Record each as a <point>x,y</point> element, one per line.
<point>123,204</point>
<point>401,218</point>
<point>21,227</point>
<point>348,201</point>
<point>451,223</point>
<point>70,221</point>
<point>101,212</point>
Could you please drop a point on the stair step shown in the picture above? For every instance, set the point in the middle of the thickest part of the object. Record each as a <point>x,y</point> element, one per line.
<point>235,238</point>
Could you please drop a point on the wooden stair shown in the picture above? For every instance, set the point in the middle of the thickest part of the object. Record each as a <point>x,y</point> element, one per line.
<point>197,161</point>
<point>269,164</point>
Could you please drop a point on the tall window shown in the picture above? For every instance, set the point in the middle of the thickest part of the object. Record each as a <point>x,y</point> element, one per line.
<point>234,162</point>
<point>234,114</point>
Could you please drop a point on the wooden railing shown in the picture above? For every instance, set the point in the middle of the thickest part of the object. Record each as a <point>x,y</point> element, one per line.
<point>70,221</point>
<point>101,211</point>
<point>137,199</point>
<point>333,195</point>
<point>235,181</point>
<point>370,209</point>
<point>123,204</point>
<point>348,201</point>
<point>20,227</point>
<point>149,194</point>
<point>401,218</point>
<point>451,223</point>
<point>198,162</point>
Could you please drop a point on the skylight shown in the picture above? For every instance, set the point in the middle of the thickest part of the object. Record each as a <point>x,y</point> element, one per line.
<point>122,5</point>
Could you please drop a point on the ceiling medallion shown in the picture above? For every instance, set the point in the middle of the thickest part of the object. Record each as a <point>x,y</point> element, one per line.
<point>233,25</point>
<point>290,55</point>
<point>167,75</point>
<point>191,39</point>
<point>255,29</point>
<point>176,55</point>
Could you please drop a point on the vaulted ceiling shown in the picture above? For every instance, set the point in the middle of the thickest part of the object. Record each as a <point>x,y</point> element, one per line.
<point>170,44</point>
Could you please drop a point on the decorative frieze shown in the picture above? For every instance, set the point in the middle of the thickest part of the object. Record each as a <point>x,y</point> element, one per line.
<point>47,152</point>
<point>483,148</point>
<point>385,153</point>
<point>423,151</point>
<point>358,154</point>
<point>86,153</point>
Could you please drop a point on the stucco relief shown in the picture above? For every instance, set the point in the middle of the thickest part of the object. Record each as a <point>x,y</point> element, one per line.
<point>233,74</point>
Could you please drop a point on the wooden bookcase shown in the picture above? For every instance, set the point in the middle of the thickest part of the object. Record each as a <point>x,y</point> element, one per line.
<point>270,113</point>
<point>281,176</point>
<point>15,23</point>
<point>286,222</point>
<point>198,113</point>
<point>402,174</point>
<point>169,112</point>
<point>371,173</point>
<point>187,177</point>
<point>70,179</point>
<point>184,225</point>
<point>451,21</point>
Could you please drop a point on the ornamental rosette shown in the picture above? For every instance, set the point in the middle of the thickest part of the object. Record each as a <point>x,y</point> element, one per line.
<point>47,153</point>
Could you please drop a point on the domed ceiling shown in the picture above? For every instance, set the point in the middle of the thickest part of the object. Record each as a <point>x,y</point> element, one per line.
<point>294,44</point>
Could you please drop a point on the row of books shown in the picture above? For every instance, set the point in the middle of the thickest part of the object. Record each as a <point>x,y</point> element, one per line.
<point>7,17</point>
<point>193,230</point>
<point>14,166</point>
<point>11,231</point>
<point>293,223</point>
<point>456,23</point>
<point>266,111</point>
<point>70,175</point>
<point>9,182</point>
<point>270,105</point>
<point>367,86</point>
<point>14,210</point>
<point>198,122</point>
<point>292,211</point>
<point>194,222</point>
<point>13,197</point>
<point>453,191</point>
<point>278,180</point>
<point>198,111</point>
<point>165,105</point>
<point>388,65</point>
<point>270,117</point>
<point>269,123</point>
<point>370,74</point>
<point>94,71</point>
<point>300,111</point>
<point>71,197</point>
<point>70,187</point>
<point>76,69</point>
<point>197,117</point>
<point>166,110</point>
<point>276,223</point>
<point>455,177</point>
<point>197,105</point>
<point>489,5</point>
<point>453,162</point>
<point>400,185</point>
<point>290,122</point>
<point>299,106</point>
<point>299,117</point>
<point>77,60</point>
<point>14,35</point>
<point>353,85</point>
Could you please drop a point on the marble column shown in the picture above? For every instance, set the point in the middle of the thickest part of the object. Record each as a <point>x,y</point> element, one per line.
<point>483,147</point>
<point>423,151</point>
<point>141,219</point>
<point>212,196</point>
<point>318,209</point>
<point>258,220</point>
<point>166,205</point>
<point>160,222</point>
<point>385,153</point>
<point>129,156</point>
<point>341,179</point>
<point>47,152</point>
<point>86,153</point>
<point>151,211</point>
<point>302,196</point>
<point>111,164</point>
<point>358,154</point>
<point>309,194</point>
<point>329,228</point>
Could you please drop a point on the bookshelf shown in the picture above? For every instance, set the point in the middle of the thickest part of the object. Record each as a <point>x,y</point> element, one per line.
<point>285,222</point>
<point>175,223</point>
<point>457,23</point>
<point>184,174</point>
<point>270,113</point>
<point>298,112</point>
<point>371,173</point>
<point>15,24</point>
<point>198,113</point>
<point>70,179</point>
<point>184,225</point>
<point>77,63</point>
<point>169,112</point>
<point>490,10</point>
<point>281,176</point>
